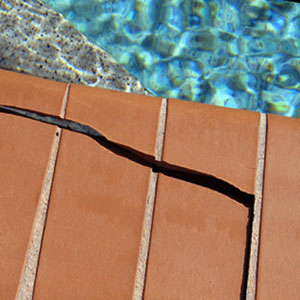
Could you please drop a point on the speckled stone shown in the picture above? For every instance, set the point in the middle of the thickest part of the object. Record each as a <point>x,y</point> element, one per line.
<point>37,41</point>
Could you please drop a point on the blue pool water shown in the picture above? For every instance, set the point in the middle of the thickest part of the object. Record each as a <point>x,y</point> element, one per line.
<point>233,53</point>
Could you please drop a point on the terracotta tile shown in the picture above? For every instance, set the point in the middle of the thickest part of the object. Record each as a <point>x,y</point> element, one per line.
<point>279,259</point>
<point>123,118</point>
<point>30,92</point>
<point>94,224</point>
<point>214,140</point>
<point>198,243</point>
<point>24,151</point>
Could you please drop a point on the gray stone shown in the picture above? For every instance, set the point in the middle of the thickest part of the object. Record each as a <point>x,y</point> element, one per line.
<point>38,41</point>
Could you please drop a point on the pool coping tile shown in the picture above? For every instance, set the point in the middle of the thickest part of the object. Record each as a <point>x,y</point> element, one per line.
<point>279,264</point>
<point>123,118</point>
<point>234,146</point>
<point>217,141</point>
<point>84,106</point>
<point>31,93</point>
<point>185,262</point>
<point>94,220</point>
<point>25,156</point>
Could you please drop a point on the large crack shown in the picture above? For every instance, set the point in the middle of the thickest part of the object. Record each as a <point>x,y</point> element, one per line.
<point>171,170</point>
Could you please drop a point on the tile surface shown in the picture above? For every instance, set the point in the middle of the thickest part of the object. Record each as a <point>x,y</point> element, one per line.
<point>25,147</point>
<point>123,118</point>
<point>97,206</point>
<point>94,224</point>
<point>279,253</point>
<point>214,140</point>
<point>24,151</point>
<point>198,243</point>
<point>30,92</point>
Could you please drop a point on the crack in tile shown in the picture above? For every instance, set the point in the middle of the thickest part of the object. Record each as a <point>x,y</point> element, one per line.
<point>53,120</point>
<point>28,276</point>
<point>158,166</point>
<point>189,175</point>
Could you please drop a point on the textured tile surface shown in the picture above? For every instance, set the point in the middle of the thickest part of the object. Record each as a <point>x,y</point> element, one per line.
<point>279,253</point>
<point>198,243</point>
<point>217,141</point>
<point>127,119</point>
<point>94,224</point>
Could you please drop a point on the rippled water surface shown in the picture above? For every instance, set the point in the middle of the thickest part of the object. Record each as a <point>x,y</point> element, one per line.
<point>234,53</point>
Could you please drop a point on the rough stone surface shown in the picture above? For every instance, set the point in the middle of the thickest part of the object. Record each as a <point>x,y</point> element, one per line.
<point>37,41</point>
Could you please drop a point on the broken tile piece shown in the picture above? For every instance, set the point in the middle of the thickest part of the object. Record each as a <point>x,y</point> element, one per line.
<point>94,225</point>
<point>218,141</point>
<point>33,93</point>
<point>279,252</point>
<point>198,244</point>
<point>128,119</point>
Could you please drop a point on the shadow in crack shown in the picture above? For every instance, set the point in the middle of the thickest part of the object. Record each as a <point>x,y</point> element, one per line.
<point>178,172</point>
<point>181,173</point>
<point>189,175</point>
<point>192,176</point>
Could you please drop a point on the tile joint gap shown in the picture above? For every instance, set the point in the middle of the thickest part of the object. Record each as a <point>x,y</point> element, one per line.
<point>65,102</point>
<point>28,275</point>
<point>255,236</point>
<point>140,278</point>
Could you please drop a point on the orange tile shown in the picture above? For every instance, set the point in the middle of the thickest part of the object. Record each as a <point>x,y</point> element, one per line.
<point>94,224</point>
<point>123,118</point>
<point>24,151</point>
<point>30,92</point>
<point>279,253</point>
<point>198,244</point>
<point>214,140</point>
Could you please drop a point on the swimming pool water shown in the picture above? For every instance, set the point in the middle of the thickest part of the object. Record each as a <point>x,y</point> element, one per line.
<point>233,53</point>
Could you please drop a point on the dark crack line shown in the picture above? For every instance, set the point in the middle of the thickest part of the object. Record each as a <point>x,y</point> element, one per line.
<point>188,175</point>
<point>50,119</point>
<point>174,171</point>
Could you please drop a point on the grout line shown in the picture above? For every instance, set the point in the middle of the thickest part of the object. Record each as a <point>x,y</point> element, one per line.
<point>28,276</point>
<point>253,263</point>
<point>65,102</point>
<point>161,130</point>
<point>148,218</point>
